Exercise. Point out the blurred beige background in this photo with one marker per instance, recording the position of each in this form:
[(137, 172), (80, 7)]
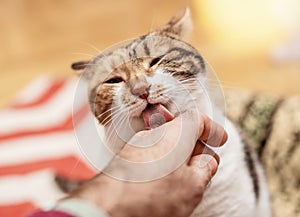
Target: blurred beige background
[(47, 36)]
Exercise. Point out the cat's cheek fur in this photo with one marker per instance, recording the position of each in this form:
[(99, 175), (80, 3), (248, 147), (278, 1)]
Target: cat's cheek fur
[(101, 101)]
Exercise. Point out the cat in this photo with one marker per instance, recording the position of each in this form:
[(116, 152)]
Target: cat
[(147, 71)]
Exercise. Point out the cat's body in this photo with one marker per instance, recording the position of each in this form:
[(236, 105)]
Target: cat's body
[(239, 187), (161, 69)]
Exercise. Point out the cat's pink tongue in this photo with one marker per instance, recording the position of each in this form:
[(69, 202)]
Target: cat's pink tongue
[(156, 115)]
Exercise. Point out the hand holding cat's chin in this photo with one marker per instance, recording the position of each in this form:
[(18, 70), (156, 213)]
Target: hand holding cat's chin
[(161, 197), (184, 131)]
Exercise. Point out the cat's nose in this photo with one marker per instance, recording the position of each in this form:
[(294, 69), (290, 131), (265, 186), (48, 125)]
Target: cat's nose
[(144, 95), (141, 90)]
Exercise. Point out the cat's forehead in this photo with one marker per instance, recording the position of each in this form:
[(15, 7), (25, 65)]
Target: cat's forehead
[(140, 49)]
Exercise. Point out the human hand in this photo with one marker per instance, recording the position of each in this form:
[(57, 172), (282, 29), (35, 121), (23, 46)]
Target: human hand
[(176, 194)]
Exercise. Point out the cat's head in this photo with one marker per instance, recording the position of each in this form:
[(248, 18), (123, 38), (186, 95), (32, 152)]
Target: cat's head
[(157, 68)]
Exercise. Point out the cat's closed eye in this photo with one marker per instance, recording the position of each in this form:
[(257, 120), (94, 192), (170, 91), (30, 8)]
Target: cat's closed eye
[(114, 80), (155, 61)]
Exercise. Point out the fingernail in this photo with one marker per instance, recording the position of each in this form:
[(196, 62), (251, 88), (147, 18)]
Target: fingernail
[(206, 159)]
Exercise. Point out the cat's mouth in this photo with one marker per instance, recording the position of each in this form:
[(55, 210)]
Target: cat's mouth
[(156, 115)]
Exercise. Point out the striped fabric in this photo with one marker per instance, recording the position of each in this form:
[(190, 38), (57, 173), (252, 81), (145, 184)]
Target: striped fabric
[(37, 142)]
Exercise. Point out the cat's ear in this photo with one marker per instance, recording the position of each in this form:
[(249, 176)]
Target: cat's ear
[(179, 25), (79, 67)]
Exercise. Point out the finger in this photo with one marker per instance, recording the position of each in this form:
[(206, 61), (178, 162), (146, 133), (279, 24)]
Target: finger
[(205, 165), (177, 137), (211, 133), (201, 148)]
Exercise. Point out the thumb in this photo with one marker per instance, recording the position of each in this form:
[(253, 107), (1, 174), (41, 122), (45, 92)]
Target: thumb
[(205, 166)]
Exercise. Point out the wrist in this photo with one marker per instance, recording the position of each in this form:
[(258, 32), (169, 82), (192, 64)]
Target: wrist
[(108, 196), (79, 208)]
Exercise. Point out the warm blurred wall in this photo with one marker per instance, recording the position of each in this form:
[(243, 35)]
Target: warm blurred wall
[(46, 36)]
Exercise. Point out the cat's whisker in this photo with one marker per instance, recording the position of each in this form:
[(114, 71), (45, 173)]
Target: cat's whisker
[(113, 110), (189, 84), (152, 23), (175, 86), (170, 91), (120, 112), (188, 80), (92, 46), (116, 117), (106, 118), (185, 88), (114, 113), (84, 54), (210, 85), (121, 120), (220, 81), (188, 88), (110, 131), (108, 110)]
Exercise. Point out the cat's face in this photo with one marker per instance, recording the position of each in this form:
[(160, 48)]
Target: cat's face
[(157, 68)]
